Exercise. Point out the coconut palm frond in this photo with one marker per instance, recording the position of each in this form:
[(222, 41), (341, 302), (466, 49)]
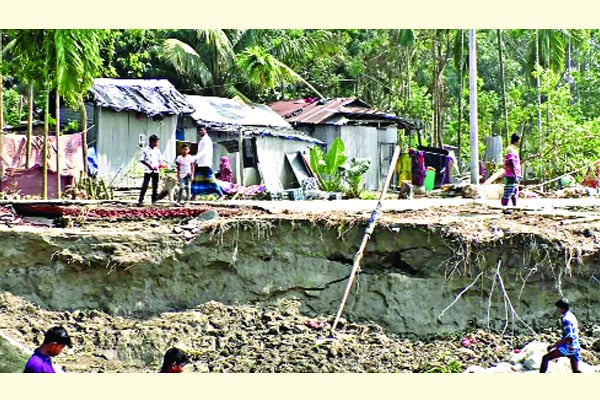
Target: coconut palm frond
[(217, 38), (294, 45), (234, 92), (186, 60), (295, 76), (259, 67)]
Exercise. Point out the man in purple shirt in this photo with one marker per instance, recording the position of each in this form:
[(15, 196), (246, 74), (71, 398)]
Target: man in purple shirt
[(55, 341)]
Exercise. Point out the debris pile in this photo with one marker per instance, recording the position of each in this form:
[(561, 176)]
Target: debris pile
[(275, 338)]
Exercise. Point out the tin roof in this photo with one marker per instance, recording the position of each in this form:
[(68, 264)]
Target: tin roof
[(220, 110), (338, 111), (152, 97), (229, 115)]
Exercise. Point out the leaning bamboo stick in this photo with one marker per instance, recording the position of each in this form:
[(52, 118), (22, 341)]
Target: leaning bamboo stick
[(368, 231)]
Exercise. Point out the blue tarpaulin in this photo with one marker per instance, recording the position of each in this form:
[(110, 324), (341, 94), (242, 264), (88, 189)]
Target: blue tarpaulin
[(153, 97)]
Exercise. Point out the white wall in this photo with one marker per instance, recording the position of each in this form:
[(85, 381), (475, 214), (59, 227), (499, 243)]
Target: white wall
[(271, 155), (362, 142), (117, 143)]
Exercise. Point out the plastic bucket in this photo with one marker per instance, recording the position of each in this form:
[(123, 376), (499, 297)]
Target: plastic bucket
[(429, 181)]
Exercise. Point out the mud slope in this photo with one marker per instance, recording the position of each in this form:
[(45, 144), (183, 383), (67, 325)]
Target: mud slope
[(416, 264)]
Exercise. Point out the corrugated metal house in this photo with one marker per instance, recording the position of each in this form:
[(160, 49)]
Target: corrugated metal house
[(122, 114), (271, 148), (366, 133)]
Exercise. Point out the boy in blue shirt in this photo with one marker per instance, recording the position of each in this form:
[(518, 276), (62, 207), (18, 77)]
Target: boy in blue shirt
[(568, 345)]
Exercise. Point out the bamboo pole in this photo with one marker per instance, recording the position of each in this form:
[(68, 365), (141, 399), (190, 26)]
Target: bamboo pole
[(240, 159), (45, 153), (1, 116), (83, 128), (29, 125), (368, 232), (58, 183)]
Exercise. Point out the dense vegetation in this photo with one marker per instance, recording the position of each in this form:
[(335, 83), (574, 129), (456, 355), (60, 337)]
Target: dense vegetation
[(539, 83)]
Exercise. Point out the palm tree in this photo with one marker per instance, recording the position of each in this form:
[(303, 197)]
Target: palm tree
[(265, 71), (210, 57), (67, 60), (547, 49), (78, 62), (501, 64), (1, 110)]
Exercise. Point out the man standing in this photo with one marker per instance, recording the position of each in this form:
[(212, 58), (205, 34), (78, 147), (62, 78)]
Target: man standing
[(512, 171), (55, 340), (151, 159), (568, 345), (204, 181)]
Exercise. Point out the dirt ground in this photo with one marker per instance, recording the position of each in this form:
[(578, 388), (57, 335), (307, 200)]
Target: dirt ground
[(277, 338)]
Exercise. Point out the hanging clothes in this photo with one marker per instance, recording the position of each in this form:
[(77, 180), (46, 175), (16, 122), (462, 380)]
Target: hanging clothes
[(417, 159)]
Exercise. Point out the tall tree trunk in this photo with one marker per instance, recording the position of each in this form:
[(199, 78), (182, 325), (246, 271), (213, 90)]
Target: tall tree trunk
[(83, 117), (504, 105), (58, 185), (29, 125), (539, 101), (460, 103), (473, 134), (45, 152), (434, 97), (1, 115)]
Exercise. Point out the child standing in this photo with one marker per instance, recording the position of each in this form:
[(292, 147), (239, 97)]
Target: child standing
[(151, 159), (185, 172)]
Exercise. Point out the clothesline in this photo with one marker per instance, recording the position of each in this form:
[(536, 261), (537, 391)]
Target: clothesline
[(557, 178)]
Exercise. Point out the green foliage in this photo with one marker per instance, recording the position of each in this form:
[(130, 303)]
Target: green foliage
[(447, 364), (329, 167), (391, 69), (569, 140), (353, 176), (14, 108), (367, 195), (335, 173), (72, 126)]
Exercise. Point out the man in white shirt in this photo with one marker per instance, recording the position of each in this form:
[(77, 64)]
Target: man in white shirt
[(205, 150), (151, 160), (204, 181)]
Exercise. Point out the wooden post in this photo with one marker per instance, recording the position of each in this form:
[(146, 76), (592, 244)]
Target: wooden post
[(29, 126), (83, 128), (368, 231), (58, 188), (240, 160)]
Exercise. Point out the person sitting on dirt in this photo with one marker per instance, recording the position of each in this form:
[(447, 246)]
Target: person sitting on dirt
[(185, 172), (151, 159), (568, 345), (512, 171), (173, 361), (55, 340)]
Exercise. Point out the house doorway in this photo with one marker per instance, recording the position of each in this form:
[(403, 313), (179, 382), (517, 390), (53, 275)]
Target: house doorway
[(386, 152)]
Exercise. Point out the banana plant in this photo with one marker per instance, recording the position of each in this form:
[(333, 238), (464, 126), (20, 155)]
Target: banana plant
[(353, 176), (329, 168)]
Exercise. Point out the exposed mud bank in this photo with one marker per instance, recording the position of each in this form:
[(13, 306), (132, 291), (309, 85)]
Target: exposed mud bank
[(415, 265)]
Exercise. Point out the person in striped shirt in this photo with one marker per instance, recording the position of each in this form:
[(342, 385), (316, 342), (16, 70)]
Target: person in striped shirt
[(568, 345)]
